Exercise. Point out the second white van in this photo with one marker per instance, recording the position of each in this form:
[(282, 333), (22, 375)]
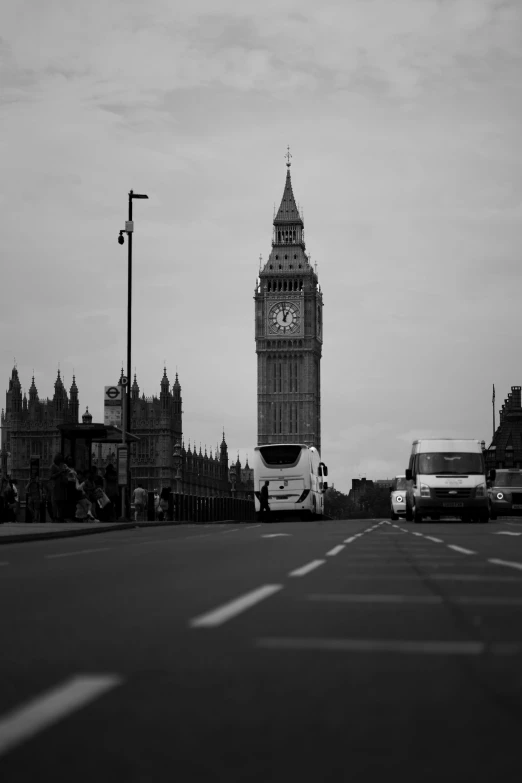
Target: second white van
[(448, 479)]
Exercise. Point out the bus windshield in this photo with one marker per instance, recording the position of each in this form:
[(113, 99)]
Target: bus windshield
[(280, 455), (454, 462)]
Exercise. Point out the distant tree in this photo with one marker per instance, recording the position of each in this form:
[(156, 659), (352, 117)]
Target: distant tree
[(373, 502)]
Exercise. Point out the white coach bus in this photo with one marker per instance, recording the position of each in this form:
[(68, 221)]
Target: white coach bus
[(296, 480)]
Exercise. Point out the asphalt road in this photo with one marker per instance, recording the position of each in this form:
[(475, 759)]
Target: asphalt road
[(336, 651)]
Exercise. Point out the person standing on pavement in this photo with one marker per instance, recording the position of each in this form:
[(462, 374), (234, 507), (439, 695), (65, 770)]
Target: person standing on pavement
[(140, 503), (263, 501)]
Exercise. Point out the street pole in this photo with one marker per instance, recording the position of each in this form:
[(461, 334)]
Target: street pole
[(129, 340), (126, 413), (124, 442)]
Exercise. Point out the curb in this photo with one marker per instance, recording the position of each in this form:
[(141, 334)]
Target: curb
[(18, 538), (42, 536)]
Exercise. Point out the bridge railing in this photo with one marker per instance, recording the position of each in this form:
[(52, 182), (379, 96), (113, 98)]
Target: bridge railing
[(193, 508)]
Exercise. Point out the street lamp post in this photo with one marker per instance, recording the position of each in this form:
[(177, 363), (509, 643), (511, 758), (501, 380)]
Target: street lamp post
[(129, 228)]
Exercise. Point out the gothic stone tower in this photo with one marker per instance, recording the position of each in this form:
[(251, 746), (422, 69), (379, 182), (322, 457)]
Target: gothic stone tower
[(288, 334)]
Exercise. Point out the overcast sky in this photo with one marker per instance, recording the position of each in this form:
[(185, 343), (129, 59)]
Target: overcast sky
[(403, 118)]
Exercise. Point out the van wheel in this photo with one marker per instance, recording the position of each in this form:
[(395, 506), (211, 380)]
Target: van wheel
[(492, 514), (417, 518), (409, 513)]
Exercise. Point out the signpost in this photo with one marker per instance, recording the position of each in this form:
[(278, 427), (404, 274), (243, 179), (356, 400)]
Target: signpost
[(112, 405)]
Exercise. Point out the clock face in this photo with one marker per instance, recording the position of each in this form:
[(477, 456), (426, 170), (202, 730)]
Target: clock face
[(284, 318)]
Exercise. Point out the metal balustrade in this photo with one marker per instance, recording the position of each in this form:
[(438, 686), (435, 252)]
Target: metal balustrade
[(193, 508)]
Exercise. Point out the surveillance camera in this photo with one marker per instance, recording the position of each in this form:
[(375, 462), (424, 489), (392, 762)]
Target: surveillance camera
[(121, 239)]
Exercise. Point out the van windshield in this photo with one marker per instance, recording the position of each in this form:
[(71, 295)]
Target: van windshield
[(508, 479), (454, 462)]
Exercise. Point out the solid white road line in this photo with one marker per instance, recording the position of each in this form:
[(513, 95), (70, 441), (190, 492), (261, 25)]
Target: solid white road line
[(506, 533), (336, 550), (354, 598), (232, 608), (461, 549), (508, 563), (437, 540), (386, 598), (377, 645), (307, 568), (26, 721), (78, 552)]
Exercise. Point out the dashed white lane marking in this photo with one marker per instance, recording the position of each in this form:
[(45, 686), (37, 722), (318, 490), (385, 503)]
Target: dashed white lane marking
[(461, 549), (232, 608), (432, 538), (307, 568), (506, 533), (232, 530), (387, 646), (26, 721), (336, 550), (414, 532), (507, 563), (78, 552)]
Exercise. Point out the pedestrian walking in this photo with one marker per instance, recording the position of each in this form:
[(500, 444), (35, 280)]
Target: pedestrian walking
[(164, 503), (112, 489), (140, 503), (58, 488), (263, 502), (33, 498)]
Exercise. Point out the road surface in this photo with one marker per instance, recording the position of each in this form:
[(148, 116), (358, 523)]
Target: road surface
[(341, 650)]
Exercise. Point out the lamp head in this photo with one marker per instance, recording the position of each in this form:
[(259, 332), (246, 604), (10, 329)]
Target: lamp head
[(120, 238)]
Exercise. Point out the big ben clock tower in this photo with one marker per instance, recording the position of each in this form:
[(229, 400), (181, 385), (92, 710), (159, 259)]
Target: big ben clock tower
[(289, 336)]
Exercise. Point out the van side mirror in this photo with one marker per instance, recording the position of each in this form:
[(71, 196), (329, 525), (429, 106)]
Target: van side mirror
[(325, 470), (408, 475), (325, 486)]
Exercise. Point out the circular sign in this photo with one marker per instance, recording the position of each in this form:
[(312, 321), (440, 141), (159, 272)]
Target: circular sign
[(124, 380), (112, 392)]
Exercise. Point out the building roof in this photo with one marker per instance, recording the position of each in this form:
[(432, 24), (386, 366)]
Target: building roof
[(288, 211)]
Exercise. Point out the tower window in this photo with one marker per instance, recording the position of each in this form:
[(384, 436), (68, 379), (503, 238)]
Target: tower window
[(291, 267), (280, 266), (277, 259), (295, 255), (286, 256), (300, 266), (271, 267)]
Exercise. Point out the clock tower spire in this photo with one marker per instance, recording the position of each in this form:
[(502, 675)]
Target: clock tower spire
[(288, 333)]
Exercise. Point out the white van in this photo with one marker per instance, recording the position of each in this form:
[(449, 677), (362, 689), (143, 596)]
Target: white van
[(448, 479)]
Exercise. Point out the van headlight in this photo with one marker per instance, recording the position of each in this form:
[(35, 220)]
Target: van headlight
[(500, 495), (480, 491), (424, 491)]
